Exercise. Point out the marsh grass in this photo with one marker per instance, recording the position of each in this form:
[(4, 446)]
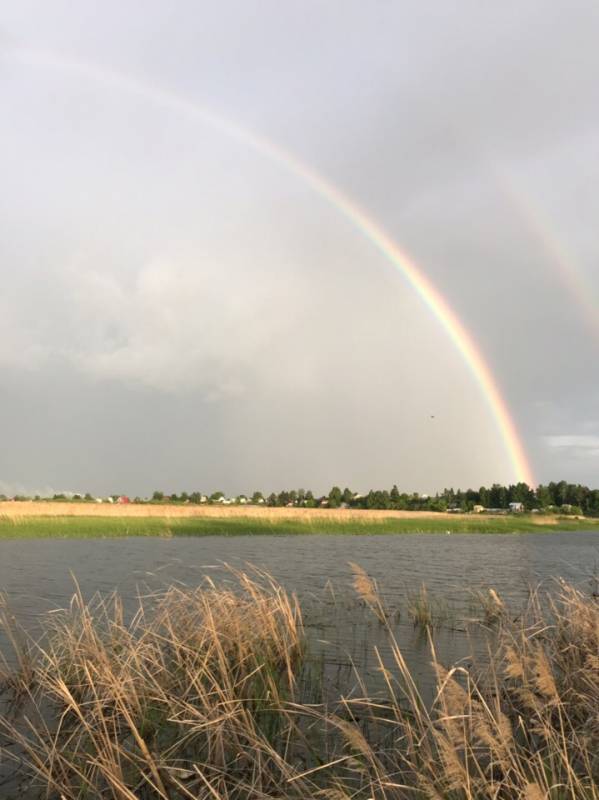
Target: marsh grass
[(426, 611), (156, 521), (491, 605), (184, 697), (200, 696), (368, 591)]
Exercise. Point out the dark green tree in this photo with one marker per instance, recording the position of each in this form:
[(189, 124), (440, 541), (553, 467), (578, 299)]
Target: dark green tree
[(335, 497)]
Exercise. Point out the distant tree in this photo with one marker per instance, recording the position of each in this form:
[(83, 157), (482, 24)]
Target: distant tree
[(521, 493), (484, 498), (347, 496), (283, 498), (472, 499), (498, 496), (371, 499), (272, 499), (195, 497), (157, 496), (335, 497), (561, 493), (257, 497), (394, 496)]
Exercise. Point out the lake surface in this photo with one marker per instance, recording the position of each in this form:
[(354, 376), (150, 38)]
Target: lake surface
[(38, 575)]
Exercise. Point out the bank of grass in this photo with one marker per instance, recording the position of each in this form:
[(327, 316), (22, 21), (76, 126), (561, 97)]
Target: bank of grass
[(82, 527), (200, 696)]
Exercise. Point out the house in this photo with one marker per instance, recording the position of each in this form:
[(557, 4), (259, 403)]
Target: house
[(516, 507), (123, 500), (478, 509)]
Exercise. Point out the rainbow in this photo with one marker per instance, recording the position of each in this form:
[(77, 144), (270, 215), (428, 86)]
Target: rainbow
[(348, 208), (539, 227)]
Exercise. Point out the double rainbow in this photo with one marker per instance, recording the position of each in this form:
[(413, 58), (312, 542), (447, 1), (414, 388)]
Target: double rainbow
[(348, 208), (544, 233)]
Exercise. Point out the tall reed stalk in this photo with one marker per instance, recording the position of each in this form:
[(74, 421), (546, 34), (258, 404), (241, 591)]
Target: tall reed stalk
[(199, 696)]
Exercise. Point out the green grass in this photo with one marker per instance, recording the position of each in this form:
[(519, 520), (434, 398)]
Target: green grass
[(107, 527)]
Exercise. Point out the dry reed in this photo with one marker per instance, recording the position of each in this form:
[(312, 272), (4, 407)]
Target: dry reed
[(199, 696), (367, 590), (14, 510)]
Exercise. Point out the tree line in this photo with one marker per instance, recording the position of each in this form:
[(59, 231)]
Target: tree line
[(560, 496), (568, 498)]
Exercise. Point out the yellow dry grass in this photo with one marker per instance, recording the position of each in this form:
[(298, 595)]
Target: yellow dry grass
[(200, 697), (17, 509)]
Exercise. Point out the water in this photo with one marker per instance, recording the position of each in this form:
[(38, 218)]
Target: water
[(39, 575)]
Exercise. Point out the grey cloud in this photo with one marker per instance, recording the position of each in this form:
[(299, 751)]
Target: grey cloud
[(148, 262), (11, 489), (585, 445)]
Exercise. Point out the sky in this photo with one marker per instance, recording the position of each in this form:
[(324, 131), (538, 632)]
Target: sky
[(181, 310)]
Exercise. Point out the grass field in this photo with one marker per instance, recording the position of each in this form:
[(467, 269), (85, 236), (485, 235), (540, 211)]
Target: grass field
[(57, 520), (57, 509)]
